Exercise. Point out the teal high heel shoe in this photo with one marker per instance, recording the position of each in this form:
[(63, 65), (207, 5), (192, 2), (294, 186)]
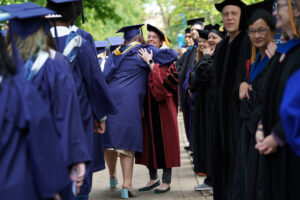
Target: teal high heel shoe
[(113, 183), (126, 193)]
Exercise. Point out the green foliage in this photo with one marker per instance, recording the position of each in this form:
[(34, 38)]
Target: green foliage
[(128, 12), (173, 9), (104, 17)]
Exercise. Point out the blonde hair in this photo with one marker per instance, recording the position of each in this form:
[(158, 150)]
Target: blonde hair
[(31, 45)]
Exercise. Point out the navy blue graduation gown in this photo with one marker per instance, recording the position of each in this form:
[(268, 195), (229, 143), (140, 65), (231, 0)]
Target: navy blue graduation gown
[(127, 77), (94, 98), (290, 112), (98, 152), (30, 162), (57, 89)]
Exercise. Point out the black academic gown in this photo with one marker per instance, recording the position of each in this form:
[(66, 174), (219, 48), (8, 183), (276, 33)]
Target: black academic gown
[(201, 86), (184, 64), (280, 170), (230, 66), (249, 158)]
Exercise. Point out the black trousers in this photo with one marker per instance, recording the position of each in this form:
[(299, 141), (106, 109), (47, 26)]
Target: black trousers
[(167, 175)]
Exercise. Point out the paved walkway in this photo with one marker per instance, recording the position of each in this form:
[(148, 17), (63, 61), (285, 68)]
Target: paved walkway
[(183, 179)]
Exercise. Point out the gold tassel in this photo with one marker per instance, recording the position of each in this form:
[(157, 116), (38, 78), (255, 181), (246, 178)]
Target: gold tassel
[(292, 18), (253, 54), (167, 41), (117, 52), (221, 29)]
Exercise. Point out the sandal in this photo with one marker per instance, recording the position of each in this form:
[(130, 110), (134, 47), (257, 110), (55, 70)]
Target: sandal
[(126, 193)]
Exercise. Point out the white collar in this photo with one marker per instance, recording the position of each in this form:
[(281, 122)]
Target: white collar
[(52, 54), (73, 28), (61, 31)]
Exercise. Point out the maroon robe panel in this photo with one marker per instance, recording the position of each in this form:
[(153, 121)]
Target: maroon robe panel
[(163, 86)]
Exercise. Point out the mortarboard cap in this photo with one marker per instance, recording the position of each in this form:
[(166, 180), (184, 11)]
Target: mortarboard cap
[(115, 41), (162, 36), (196, 21), (101, 46), (204, 33), (220, 6), (217, 30), (259, 10), (131, 31), (26, 18)]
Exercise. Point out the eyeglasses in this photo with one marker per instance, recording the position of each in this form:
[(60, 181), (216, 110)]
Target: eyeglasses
[(277, 6), (260, 31)]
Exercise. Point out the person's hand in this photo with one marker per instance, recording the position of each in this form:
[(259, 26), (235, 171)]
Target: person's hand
[(99, 127), (271, 49), (259, 135), (267, 146), (145, 55), (208, 51), (243, 91), (80, 169), (56, 197), (183, 50)]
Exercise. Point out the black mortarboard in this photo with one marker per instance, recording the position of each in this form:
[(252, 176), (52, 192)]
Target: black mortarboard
[(216, 29), (187, 30), (259, 10), (196, 21), (101, 46), (220, 6), (131, 31), (204, 33), (162, 36)]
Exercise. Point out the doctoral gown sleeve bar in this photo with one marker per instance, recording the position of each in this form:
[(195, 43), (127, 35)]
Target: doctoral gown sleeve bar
[(163, 82)]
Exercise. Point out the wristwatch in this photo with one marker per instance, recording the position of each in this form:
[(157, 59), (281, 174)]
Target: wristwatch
[(150, 62)]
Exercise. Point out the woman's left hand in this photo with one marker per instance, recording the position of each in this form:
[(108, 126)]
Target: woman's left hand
[(267, 146), (145, 55)]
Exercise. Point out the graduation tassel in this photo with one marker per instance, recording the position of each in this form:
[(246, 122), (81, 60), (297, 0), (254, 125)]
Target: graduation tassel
[(82, 14), (253, 54), (292, 18), (167, 41)]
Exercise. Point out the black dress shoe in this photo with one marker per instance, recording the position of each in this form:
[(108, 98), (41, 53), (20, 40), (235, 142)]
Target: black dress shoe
[(147, 188), (157, 191)]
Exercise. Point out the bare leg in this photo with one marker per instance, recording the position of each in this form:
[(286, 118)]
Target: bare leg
[(111, 161), (127, 170)]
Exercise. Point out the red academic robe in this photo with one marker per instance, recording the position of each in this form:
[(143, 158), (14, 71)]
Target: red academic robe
[(163, 85)]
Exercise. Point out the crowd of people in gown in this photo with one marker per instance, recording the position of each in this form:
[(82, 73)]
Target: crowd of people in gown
[(239, 98), (70, 105)]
